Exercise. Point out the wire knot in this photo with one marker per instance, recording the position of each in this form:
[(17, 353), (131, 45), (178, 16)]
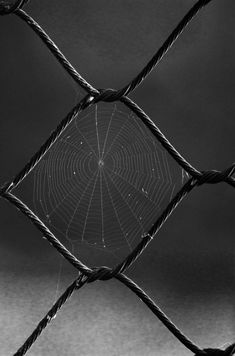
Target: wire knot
[(229, 351), (213, 176), (6, 9), (100, 273), (108, 95)]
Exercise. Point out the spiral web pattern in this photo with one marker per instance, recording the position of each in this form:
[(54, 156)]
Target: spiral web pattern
[(104, 180), (80, 168)]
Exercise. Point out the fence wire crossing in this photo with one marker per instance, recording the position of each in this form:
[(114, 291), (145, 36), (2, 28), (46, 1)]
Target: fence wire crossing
[(197, 178)]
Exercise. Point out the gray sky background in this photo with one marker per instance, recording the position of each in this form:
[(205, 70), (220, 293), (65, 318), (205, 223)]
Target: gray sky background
[(189, 267)]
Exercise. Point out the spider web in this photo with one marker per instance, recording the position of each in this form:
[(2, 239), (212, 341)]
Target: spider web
[(105, 180)]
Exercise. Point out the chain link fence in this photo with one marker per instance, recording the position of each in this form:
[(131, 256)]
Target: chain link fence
[(197, 178)]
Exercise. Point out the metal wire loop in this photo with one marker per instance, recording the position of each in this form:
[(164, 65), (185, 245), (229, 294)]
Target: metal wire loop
[(108, 95), (87, 274), (214, 176), (100, 273)]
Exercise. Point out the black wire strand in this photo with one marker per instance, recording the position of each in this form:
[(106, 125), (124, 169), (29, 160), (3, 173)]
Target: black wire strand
[(197, 178)]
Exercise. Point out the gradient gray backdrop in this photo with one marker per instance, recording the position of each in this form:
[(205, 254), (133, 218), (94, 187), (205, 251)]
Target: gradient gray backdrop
[(189, 268)]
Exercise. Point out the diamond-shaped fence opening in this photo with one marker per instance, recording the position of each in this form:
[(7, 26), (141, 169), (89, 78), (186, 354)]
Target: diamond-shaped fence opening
[(106, 177), (103, 183)]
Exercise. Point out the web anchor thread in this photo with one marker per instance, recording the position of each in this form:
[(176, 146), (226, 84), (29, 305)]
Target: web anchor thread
[(86, 274)]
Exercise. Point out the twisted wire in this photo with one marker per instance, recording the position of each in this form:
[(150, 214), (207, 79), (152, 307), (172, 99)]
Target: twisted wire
[(77, 284), (214, 177), (84, 103), (160, 52), (56, 52), (159, 314), (165, 47), (198, 178), (105, 273), (161, 138), (131, 258), (98, 274), (144, 72), (138, 250), (94, 276), (46, 232)]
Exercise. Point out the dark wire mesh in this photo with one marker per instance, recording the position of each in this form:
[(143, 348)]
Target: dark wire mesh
[(197, 178)]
